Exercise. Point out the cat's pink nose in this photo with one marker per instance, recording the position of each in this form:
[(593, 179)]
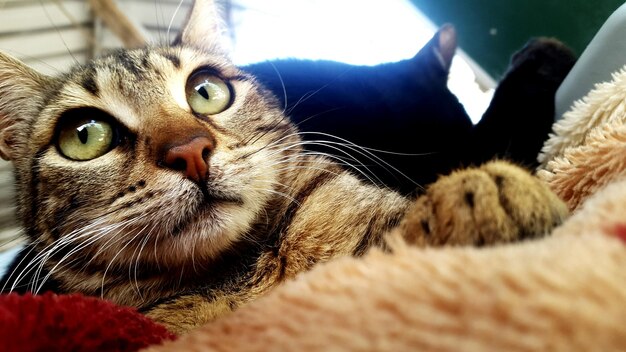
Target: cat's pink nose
[(192, 158)]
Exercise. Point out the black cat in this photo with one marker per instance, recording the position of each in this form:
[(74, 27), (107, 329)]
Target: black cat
[(406, 108), (403, 107)]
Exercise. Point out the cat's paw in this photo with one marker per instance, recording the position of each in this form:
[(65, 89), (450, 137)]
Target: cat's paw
[(495, 203)]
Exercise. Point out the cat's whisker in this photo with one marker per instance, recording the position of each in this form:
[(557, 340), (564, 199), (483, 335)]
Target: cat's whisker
[(155, 252), (142, 245), (269, 145), (362, 147), (120, 251), (315, 116), (44, 255), (114, 235), (363, 151), (102, 232), (302, 158), (58, 30), (284, 195), (256, 137), (335, 157), (366, 173), (92, 232), (8, 279)]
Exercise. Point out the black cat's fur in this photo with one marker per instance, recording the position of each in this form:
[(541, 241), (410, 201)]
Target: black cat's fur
[(407, 108), (404, 107)]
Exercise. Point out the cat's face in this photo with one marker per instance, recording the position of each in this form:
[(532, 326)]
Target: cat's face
[(162, 154)]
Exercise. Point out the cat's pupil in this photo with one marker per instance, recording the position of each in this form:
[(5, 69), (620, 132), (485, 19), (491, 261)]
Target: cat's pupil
[(202, 91), (83, 134)]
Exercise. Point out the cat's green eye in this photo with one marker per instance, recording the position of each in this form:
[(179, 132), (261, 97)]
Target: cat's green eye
[(85, 139), (207, 94)]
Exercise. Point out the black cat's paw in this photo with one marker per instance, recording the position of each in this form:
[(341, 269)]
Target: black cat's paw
[(547, 58), (521, 113)]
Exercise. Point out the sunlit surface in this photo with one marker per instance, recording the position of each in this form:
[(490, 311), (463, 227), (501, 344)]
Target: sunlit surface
[(364, 32)]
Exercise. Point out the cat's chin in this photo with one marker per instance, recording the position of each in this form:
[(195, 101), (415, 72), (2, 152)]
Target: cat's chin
[(213, 226), (208, 212)]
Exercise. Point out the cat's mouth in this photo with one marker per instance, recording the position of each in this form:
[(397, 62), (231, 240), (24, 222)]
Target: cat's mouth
[(206, 209), (212, 196)]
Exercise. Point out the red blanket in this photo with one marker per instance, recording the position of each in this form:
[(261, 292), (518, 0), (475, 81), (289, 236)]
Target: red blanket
[(52, 322)]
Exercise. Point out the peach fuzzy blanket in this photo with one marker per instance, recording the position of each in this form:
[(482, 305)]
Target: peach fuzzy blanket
[(566, 292)]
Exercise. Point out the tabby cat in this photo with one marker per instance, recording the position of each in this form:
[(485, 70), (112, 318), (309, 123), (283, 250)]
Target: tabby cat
[(167, 179)]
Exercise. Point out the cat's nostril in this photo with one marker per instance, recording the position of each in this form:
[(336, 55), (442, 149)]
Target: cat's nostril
[(205, 153), (179, 165), (191, 158)]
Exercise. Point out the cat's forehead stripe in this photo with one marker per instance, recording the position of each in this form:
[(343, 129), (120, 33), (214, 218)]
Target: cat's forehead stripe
[(172, 58), (129, 63), (88, 81)]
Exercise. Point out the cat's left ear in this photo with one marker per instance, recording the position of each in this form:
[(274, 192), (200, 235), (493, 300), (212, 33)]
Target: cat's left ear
[(446, 40), (439, 51), (22, 94), (205, 28), (435, 58)]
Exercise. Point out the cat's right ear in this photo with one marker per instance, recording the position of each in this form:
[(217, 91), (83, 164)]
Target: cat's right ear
[(22, 94), (205, 28)]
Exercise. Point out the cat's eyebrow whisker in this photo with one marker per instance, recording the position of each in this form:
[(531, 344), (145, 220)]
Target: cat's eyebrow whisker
[(169, 26), (282, 83), (309, 95), (58, 30), (160, 20)]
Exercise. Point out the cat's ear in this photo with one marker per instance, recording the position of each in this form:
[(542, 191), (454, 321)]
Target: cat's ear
[(204, 28), (446, 43), (438, 53), (22, 94)]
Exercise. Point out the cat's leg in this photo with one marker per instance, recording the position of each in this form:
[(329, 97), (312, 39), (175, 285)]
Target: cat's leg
[(495, 203), (183, 313), (521, 113)]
